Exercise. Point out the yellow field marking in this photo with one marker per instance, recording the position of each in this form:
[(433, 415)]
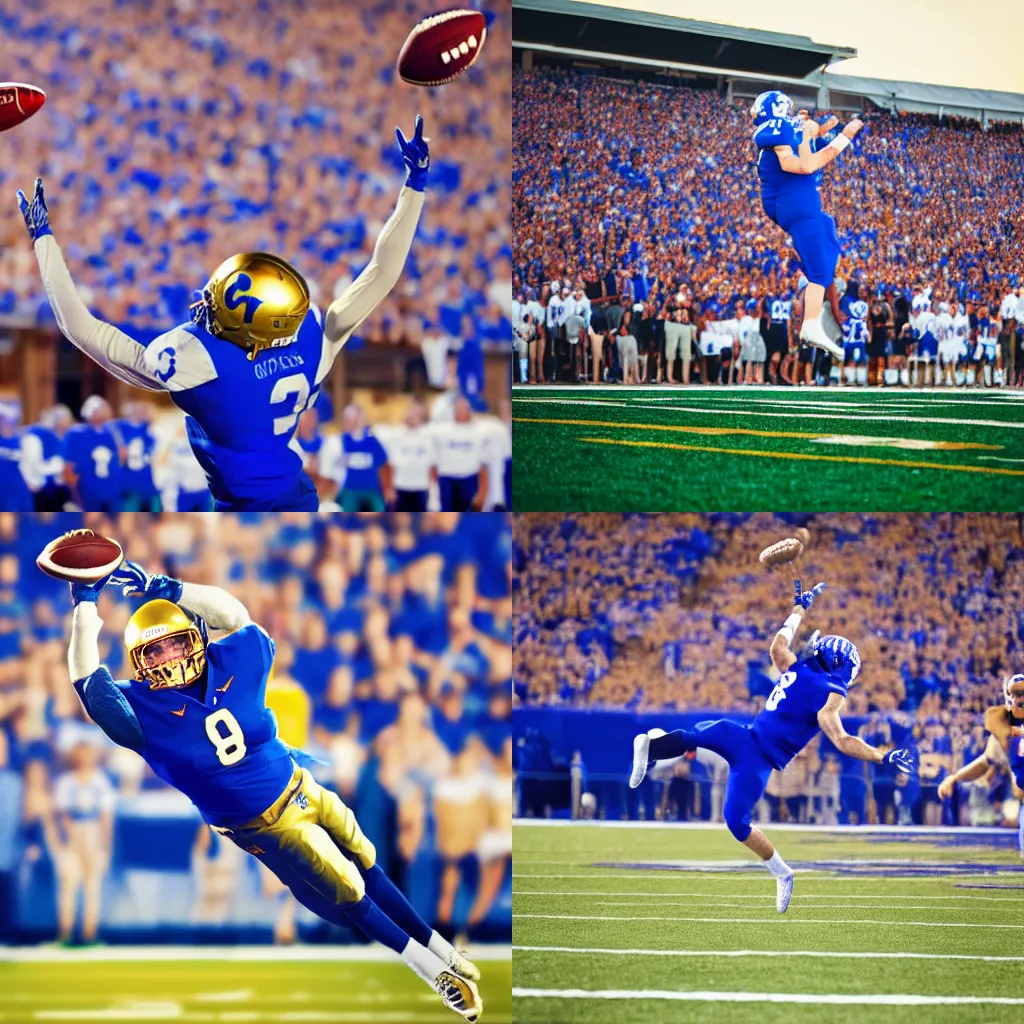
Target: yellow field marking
[(799, 435), (798, 455)]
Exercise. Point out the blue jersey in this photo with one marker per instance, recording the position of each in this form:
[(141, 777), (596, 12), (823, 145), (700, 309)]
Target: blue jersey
[(1015, 752), (242, 414), (216, 741), (790, 716), (52, 449), (781, 131), (93, 454), (138, 442), (855, 332), (16, 495), (363, 457)]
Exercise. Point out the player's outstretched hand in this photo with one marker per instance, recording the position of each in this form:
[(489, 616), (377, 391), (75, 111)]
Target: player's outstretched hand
[(902, 760), (134, 581), (37, 217), (853, 127), (806, 599), (416, 154), (946, 787), (88, 591)]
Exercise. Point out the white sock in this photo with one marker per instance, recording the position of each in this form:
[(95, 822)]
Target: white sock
[(423, 961), (440, 946), (777, 866)]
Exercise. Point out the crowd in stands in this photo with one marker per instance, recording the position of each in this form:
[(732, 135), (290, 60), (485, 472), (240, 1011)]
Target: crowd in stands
[(627, 227), (442, 456), (179, 132), (673, 613), (392, 667)]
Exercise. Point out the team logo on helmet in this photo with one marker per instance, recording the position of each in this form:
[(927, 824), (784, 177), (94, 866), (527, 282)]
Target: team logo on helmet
[(771, 104), (838, 656)]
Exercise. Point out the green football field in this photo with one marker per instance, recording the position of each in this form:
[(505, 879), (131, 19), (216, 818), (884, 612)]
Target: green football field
[(611, 448), (153, 984), (665, 924)]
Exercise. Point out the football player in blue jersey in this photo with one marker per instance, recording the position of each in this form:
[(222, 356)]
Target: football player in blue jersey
[(809, 696), (787, 167), (196, 712), (135, 435), (255, 354), (1005, 746), (855, 345), (92, 459)]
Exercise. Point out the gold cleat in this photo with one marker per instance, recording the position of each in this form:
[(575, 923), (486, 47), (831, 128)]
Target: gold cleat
[(459, 994), (462, 965)]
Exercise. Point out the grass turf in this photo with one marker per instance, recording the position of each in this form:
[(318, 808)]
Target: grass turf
[(220, 990), (704, 449), (561, 899)]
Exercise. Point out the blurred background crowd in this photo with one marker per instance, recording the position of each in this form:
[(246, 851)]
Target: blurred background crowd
[(644, 216), (646, 620), (177, 133), (393, 668)]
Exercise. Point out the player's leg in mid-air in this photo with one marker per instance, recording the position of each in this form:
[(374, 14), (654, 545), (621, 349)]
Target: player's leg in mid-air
[(749, 770), (310, 839)]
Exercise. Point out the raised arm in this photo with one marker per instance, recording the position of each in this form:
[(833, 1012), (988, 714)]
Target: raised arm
[(806, 161), (390, 252), (781, 653), (118, 354), (992, 755), (217, 607)]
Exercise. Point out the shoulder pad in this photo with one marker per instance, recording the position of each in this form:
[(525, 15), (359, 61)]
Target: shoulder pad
[(180, 360), (997, 723)]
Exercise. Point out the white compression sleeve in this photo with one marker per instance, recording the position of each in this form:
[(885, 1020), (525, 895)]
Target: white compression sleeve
[(216, 606), (84, 650), (381, 275), (790, 626), (119, 355)]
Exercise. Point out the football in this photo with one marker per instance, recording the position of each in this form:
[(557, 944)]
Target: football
[(780, 552), (80, 556), (441, 47), (18, 102)]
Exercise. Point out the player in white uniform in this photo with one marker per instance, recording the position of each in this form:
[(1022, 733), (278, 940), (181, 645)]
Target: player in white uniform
[(986, 351), (962, 335), (922, 323), (949, 346), (752, 346), (411, 455)]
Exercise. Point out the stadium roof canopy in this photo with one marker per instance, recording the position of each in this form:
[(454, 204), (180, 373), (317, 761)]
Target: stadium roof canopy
[(593, 30)]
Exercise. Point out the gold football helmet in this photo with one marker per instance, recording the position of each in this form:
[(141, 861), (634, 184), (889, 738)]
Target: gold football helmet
[(165, 647), (255, 300)]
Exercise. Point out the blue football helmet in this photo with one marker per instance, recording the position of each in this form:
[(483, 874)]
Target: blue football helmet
[(1012, 686), (838, 657), (771, 104), (751, 305)]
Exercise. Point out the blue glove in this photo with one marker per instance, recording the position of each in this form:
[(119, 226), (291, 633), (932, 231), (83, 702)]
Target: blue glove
[(416, 155), (805, 600), (87, 591), (902, 760), (134, 581), (37, 218)]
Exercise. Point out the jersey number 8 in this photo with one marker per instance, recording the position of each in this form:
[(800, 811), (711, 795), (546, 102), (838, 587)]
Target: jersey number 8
[(779, 693), (230, 747)]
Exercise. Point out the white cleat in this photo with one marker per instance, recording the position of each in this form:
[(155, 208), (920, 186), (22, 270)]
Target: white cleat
[(462, 965), (459, 994), (814, 334), (641, 744), (783, 892)]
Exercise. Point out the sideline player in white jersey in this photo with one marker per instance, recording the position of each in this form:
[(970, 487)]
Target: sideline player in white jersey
[(922, 323), (962, 334), (461, 460), (412, 457), (986, 351), (949, 346), (752, 345)]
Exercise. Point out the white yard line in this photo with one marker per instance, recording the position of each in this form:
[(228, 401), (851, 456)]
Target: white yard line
[(789, 921), (789, 415), (712, 826), (765, 896), (768, 953), (763, 997)]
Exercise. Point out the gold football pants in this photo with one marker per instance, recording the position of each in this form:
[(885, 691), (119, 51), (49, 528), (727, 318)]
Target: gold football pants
[(311, 840)]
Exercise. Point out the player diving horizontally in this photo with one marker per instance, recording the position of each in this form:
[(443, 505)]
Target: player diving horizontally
[(810, 694), (255, 354), (196, 712), (787, 166), (1005, 725)]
